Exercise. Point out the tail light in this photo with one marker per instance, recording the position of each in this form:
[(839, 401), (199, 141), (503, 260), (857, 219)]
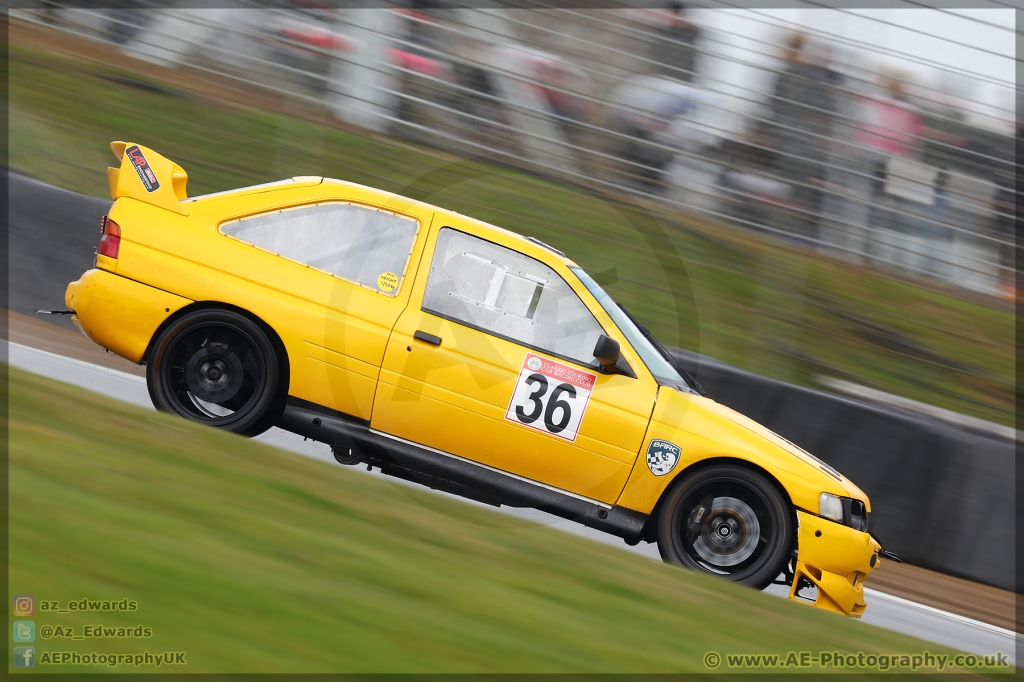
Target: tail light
[(110, 238)]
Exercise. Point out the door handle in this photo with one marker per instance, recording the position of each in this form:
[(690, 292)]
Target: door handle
[(429, 338)]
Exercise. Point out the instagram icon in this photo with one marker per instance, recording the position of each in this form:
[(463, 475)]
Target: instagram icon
[(24, 605)]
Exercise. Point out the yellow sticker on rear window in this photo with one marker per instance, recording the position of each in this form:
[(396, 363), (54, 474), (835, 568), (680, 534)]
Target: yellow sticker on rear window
[(387, 281)]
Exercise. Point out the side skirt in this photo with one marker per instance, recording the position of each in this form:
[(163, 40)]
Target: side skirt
[(453, 474)]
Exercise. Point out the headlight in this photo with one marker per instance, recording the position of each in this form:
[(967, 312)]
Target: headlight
[(830, 507)]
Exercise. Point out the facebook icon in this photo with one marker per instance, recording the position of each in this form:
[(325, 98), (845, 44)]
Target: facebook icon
[(24, 656)]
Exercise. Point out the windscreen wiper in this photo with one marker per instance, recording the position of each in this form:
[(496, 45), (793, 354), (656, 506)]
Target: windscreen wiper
[(669, 358)]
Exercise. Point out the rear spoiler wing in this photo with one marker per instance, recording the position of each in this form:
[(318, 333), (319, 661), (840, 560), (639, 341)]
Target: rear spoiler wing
[(146, 176)]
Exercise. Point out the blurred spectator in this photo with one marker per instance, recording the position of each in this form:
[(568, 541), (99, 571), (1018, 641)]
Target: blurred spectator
[(560, 83), (938, 237), (49, 12), (126, 19), (305, 42), (889, 130), (675, 45), (419, 64), (801, 114), (557, 84), (481, 100), (888, 123), (478, 95), (647, 110), (888, 186), (884, 126), (663, 113)]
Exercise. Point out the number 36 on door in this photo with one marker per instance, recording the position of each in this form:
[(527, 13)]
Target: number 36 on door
[(550, 396)]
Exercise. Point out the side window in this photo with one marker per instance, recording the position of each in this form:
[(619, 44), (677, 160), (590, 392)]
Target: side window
[(364, 245), (508, 294)]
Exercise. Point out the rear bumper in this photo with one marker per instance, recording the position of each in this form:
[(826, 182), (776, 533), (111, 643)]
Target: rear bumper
[(119, 314), (836, 559)]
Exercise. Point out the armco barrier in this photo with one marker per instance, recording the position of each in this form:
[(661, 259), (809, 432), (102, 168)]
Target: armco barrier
[(53, 236), (942, 496)]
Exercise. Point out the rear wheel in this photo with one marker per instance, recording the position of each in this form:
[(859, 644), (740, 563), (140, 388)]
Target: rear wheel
[(728, 521), (216, 367)]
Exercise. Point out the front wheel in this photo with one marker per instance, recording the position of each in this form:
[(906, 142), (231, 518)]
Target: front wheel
[(216, 367), (728, 521)]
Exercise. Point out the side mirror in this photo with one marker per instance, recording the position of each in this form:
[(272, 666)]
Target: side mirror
[(606, 352)]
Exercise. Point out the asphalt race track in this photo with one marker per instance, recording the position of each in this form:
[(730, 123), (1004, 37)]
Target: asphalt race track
[(884, 610)]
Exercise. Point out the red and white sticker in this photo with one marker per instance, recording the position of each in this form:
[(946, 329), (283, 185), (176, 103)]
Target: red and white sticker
[(550, 397)]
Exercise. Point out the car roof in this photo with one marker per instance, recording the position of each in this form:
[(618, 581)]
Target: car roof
[(528, 245), (287, 183)]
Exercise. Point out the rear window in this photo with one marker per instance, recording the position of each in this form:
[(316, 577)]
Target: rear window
[(361, 244)]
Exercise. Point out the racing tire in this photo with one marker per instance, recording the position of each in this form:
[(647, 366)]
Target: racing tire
[(728, 521), (219, 368)]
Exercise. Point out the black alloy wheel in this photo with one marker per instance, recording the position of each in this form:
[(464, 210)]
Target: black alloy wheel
[(728, 521), (217, 367)]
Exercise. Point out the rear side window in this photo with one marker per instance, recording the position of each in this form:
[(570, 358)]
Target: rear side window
[(508, 294), (360, 244)]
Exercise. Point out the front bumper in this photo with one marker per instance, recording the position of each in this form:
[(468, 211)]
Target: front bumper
[(836, 559)]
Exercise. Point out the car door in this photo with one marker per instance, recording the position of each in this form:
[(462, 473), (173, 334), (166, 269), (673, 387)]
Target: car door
[(493, 361), (339, 268)]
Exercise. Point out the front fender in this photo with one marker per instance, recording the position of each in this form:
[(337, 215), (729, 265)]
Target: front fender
[(704, 430)]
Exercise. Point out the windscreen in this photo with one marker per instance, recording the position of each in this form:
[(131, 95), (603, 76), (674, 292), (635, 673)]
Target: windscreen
[(655, 362)]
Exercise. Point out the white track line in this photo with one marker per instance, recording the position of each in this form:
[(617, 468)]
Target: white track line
[(946, 614), (78, 363)]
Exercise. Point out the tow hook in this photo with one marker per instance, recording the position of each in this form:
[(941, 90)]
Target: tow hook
[(891, 556), (54, 312)]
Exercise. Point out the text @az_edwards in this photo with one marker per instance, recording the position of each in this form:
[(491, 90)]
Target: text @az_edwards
[(97, 631), (858, 660)]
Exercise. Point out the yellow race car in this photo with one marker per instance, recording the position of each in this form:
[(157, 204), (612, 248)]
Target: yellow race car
[(459, 355)]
